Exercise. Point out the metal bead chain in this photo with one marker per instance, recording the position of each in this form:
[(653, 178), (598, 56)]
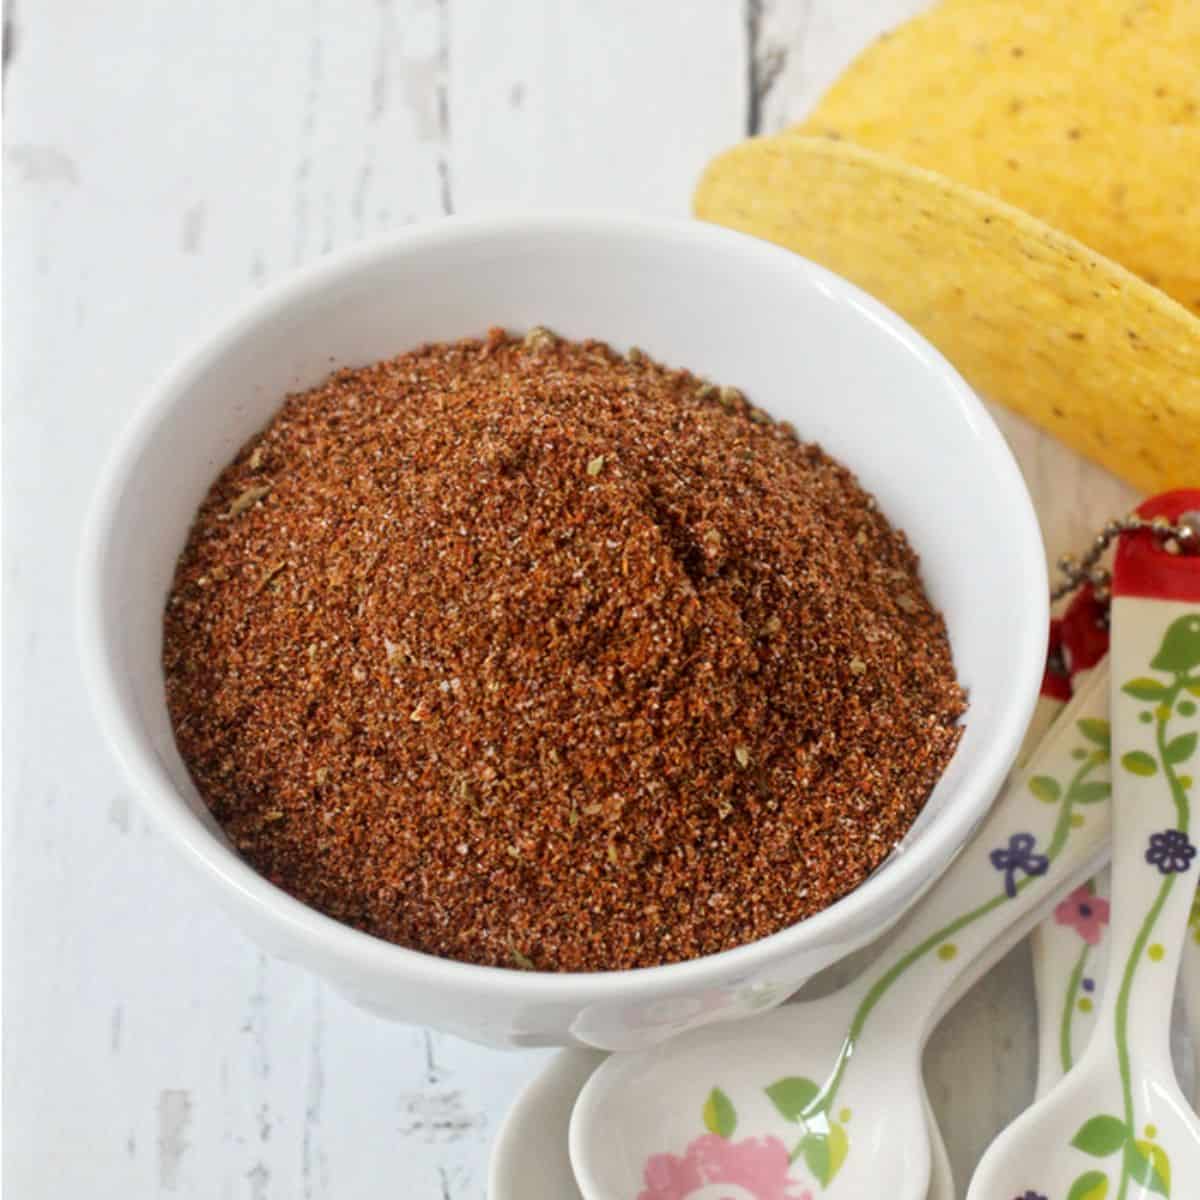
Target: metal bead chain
[(1182, 537)]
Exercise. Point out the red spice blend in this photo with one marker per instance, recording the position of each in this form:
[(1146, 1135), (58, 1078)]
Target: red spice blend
[(524, 653)]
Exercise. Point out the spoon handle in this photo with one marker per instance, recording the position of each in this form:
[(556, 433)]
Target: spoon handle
[(1070, 959), (1189, 972), (1155, 686), (1070, 948), (1049, 829)]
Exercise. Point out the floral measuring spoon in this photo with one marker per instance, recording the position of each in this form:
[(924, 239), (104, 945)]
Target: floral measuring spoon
[(1070, 948), (1117, 1126), (1078, 642), (1068, 975), (830, 1090), (941, 1174)]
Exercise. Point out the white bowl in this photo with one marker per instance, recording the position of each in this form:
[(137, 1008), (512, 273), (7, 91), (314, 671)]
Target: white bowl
[(803, 343)]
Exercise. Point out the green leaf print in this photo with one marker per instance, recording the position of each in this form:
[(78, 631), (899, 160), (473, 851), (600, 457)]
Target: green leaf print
[(719, 1114), (839, 1147), (1180, 749), (1092, 1185), (1145, 689), (1101, 1136), (1138, 762), (1096, 730), (1045, 788), (817, 1157), (1090, 793), (1148, 1165), (792, 1095)]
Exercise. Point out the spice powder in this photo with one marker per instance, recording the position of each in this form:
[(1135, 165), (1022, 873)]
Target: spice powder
[(524, 653)]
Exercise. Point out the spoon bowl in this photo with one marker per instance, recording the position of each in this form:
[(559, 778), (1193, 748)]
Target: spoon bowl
[(1073, 1144), (735, 1072)]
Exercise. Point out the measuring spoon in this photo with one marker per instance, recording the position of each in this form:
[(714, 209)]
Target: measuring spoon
[(1074, 649)]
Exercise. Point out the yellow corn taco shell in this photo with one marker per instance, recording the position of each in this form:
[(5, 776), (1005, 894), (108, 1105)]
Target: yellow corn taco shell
[(1085, 113), (1030, 316)]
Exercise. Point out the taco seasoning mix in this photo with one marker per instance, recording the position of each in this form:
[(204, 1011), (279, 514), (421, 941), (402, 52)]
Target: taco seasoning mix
[(525, 653)]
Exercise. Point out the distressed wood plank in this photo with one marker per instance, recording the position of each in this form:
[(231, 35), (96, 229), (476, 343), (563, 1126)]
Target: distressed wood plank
[(615, 105), (161, 162)]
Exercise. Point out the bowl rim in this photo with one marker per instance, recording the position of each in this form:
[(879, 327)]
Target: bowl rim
[(906, 873)]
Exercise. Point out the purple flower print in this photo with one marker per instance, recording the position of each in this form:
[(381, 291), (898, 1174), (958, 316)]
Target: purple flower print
[(1170, 851), (1018, 856)]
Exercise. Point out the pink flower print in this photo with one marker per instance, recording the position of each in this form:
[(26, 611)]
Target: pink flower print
[(1084, 912), (756, 1167)]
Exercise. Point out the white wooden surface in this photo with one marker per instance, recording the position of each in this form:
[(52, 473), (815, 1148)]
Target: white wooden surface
[(162, 160)]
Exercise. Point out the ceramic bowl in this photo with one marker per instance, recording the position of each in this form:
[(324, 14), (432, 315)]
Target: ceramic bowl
[(803, 343)]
